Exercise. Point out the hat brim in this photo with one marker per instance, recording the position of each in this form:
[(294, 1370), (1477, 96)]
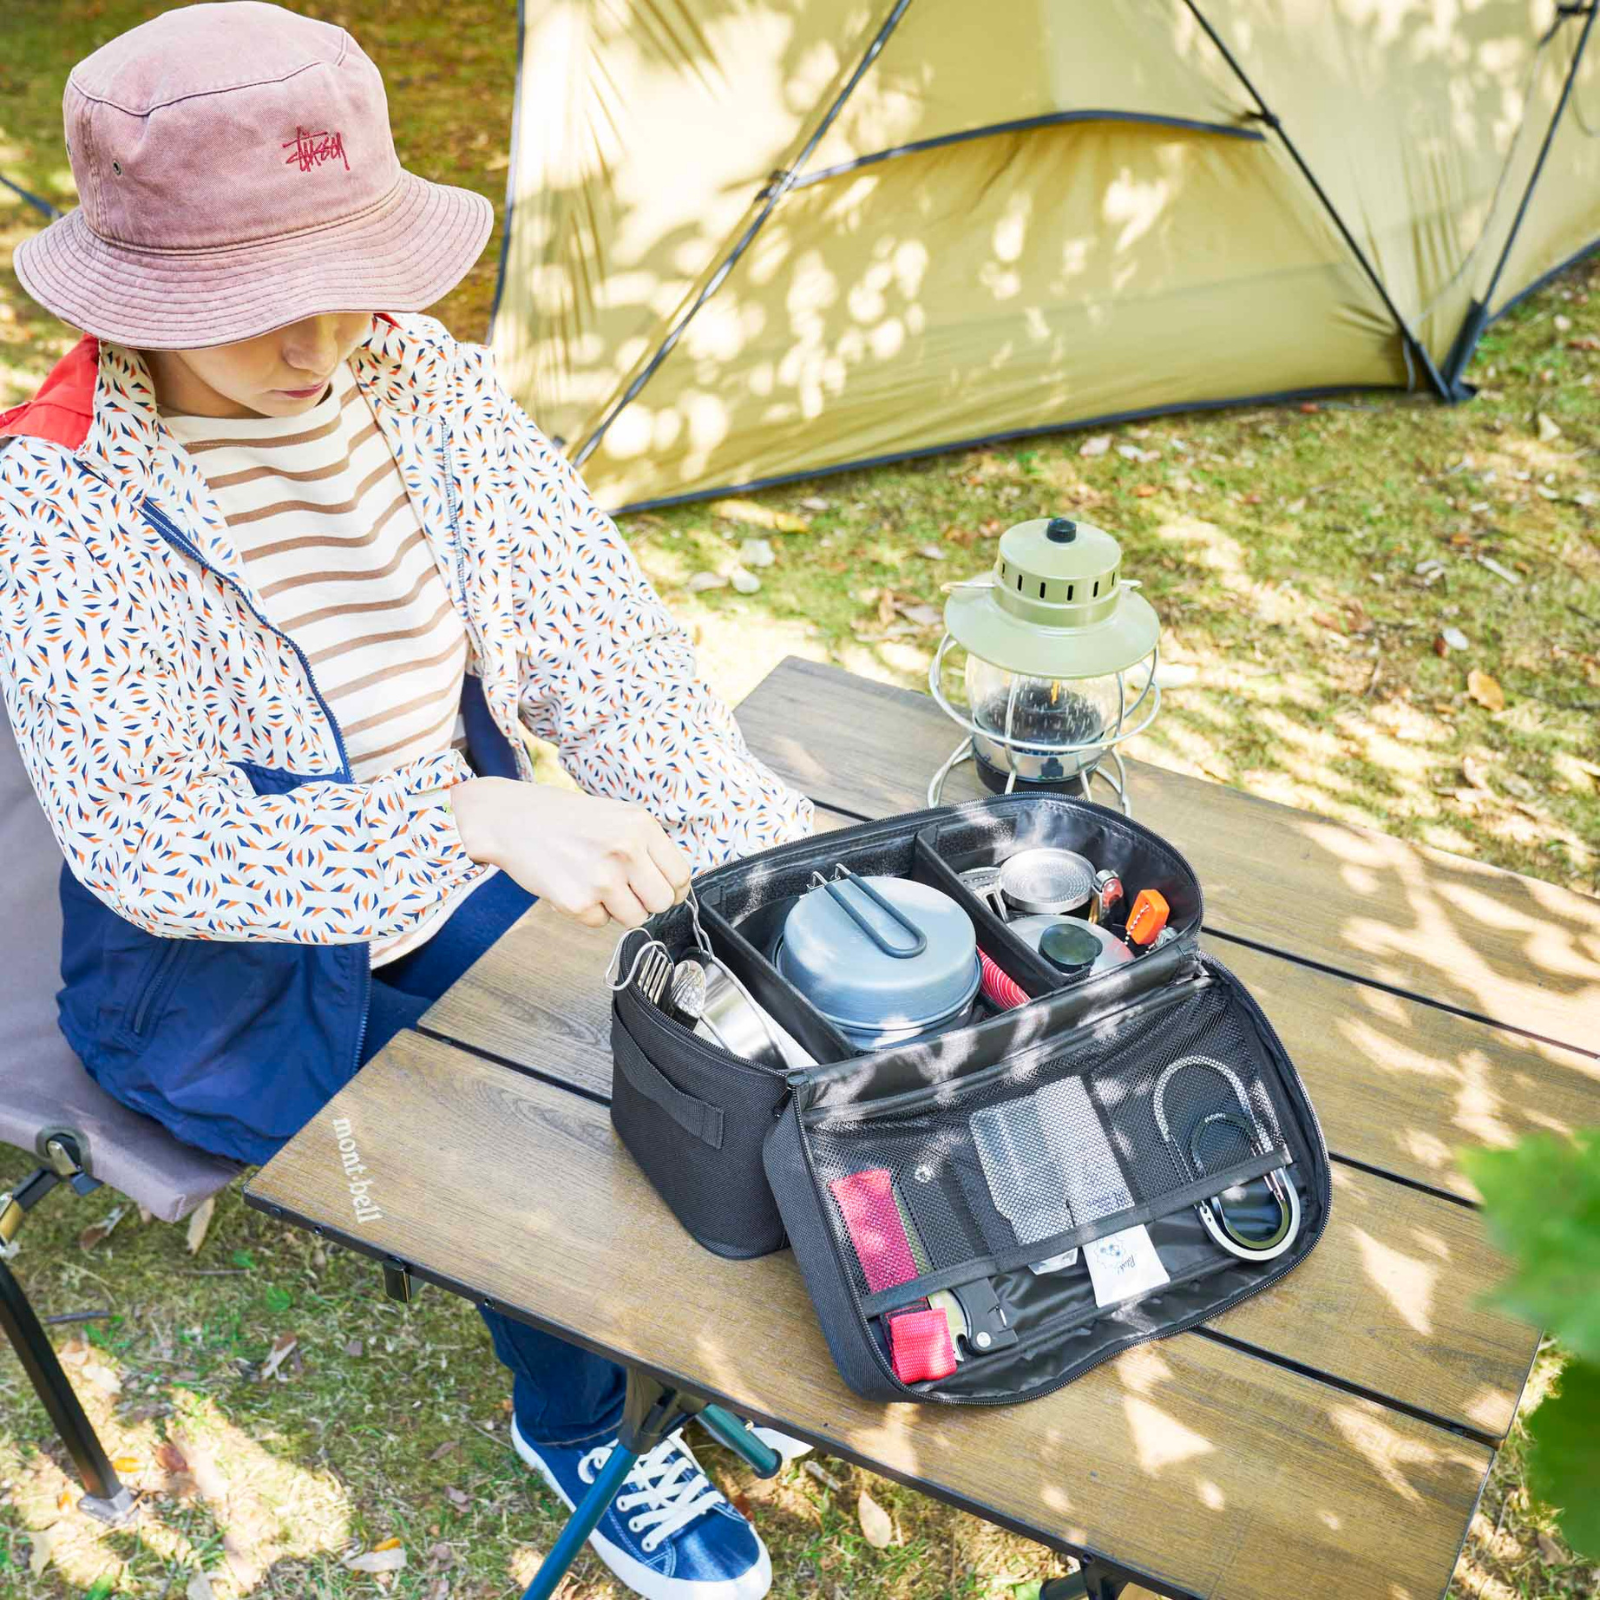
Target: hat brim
[(402, 254)]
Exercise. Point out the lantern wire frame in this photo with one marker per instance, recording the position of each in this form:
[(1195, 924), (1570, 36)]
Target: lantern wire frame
[(1118, 783)]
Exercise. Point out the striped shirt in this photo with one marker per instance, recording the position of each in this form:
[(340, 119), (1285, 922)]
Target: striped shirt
[(331, 543)]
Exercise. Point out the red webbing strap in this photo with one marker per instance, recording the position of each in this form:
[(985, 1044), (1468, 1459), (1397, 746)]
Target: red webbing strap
[(920, 1345), (872, 1219), (919, 1340)]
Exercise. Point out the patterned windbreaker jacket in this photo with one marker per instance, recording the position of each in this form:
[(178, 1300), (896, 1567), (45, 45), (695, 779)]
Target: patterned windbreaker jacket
[(225, 872)]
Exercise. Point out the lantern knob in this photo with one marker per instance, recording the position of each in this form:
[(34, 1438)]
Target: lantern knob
[(1061, 530)]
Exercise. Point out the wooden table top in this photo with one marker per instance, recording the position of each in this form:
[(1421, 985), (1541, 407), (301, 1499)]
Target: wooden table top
[(1330, 1435)]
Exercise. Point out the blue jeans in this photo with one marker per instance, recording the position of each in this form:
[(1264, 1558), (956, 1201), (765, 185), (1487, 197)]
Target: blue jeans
[(562, 1395)]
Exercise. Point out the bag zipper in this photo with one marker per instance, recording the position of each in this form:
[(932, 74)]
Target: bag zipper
[(1282, 1266), (1175, 993), (169, 531)]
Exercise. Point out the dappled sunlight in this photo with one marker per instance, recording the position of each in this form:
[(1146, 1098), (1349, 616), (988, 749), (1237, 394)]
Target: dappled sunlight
[(1385, 1449), (1406, 1282), (1159, 1440), (214, 1495)]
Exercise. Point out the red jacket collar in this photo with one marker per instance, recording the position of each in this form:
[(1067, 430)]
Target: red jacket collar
[(64, 406)]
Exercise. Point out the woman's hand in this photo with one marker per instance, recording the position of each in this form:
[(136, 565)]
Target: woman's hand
[(591, 858)]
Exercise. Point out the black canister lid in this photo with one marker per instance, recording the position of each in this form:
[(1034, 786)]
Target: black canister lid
[(1069, 947)]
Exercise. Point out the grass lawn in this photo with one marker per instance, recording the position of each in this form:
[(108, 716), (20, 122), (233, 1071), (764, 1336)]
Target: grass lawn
[(1344, 587)]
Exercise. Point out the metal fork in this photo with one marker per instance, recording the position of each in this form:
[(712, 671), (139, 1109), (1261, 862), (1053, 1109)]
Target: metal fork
[(655, 968)]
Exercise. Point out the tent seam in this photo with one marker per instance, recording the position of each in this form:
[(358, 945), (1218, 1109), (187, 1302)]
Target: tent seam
[(1050, 119), (1411, 342), (777, 186)]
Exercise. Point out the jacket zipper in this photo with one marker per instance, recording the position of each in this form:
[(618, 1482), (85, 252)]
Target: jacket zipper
[(169, 531), (1282, 1266)]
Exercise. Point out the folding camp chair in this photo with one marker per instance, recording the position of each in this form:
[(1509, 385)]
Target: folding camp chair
[(50, 1107)]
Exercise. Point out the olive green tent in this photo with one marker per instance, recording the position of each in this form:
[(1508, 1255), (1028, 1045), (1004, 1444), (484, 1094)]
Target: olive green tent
[(756, 239)]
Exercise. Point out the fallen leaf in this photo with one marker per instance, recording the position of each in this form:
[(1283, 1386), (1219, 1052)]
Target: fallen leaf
[(43, 1539), (1097, 446), (440, 1590), (1453, 638), (1562, 324), (388, 1557), (1499, 571), (886, 608), (444, 1450), (101, 1376), (170, 1458), (702, 581), (1549, 432), (1253, 498), (924, 616), (744, 581), (199, 1588), (1310, 407), (1472, 771), (1486, 690), (127, 1464), (96, 1231), (355, 1349), (1584, 341), (387, 1544), (281, 1346), (1550, 1550), (1323, 620), (457, 1498), (823, 1476), (757, 553), (1143, 491), (75, 1351), (876, 1528), (756, 516), (931, 552), (815, 502), (441, 1557), (741, 1503), (199, 1222)]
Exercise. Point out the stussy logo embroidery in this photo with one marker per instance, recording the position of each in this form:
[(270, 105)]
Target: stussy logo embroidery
[(308, 150)]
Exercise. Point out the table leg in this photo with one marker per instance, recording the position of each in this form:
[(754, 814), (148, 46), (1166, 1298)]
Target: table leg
[(1099, 1580), (651, 1411)]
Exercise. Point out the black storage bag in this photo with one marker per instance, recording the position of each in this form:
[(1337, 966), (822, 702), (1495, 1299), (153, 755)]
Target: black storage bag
[(699, 1120)]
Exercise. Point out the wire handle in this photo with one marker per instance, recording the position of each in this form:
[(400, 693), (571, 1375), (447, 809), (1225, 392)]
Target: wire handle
[(842, 872)]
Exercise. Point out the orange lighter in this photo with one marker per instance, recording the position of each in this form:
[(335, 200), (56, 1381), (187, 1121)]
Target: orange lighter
[(1148, 917)]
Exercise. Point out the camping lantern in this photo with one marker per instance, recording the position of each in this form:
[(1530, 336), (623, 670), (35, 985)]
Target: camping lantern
[(1061, 655)]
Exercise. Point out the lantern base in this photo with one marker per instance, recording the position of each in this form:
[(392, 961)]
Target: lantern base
[(999, 781)]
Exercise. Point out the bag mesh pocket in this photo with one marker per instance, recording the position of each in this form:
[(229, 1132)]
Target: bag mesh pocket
[(1111, 1123)]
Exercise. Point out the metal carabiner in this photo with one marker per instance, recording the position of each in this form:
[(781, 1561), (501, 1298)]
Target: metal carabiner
[(1213, 1215)]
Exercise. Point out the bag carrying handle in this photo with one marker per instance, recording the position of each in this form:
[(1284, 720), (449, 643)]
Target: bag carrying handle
[(698, 1118)]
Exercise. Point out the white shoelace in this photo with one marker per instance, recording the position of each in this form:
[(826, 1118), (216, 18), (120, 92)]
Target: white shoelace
[(667, 1483)]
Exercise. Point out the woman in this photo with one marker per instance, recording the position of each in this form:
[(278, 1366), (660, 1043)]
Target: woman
[(283, 580)]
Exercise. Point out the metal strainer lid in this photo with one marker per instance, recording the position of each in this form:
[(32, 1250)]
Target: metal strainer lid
[(1047, 879)]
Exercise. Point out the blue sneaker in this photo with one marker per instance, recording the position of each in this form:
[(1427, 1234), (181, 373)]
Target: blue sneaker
[(670, 1534)]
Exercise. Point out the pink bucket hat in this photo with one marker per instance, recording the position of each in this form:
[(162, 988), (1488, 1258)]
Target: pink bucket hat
[(235, 173)]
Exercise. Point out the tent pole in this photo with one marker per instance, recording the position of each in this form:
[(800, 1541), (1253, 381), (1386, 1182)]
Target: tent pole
[(777, 187), (1478, 314), (1412, 343), (511, 177)]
